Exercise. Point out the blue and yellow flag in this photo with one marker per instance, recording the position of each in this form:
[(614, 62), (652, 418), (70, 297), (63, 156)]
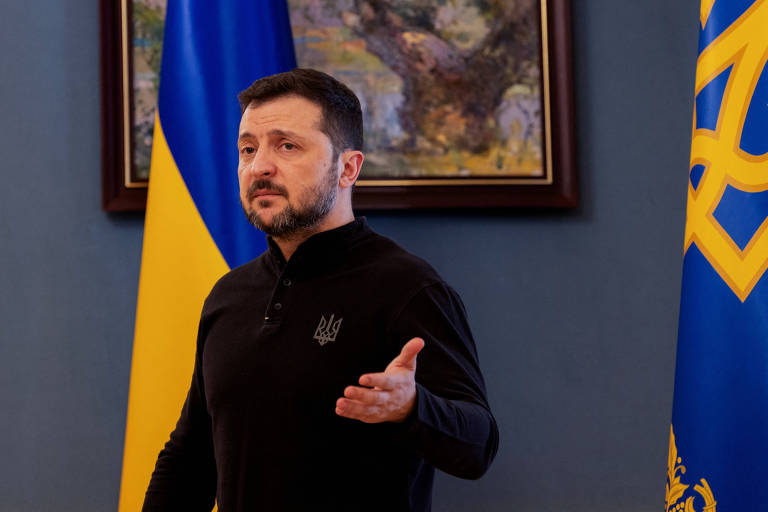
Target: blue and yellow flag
[(718, 449), (195, 229)]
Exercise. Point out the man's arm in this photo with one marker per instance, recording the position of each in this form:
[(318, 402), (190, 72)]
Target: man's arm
[(184, 478), (441, 401)]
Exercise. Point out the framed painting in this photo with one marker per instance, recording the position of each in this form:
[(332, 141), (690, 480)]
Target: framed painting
[(466, 103), (131, 33)]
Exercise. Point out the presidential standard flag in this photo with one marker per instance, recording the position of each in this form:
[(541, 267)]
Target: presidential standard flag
[(195, 229), (718, 449)]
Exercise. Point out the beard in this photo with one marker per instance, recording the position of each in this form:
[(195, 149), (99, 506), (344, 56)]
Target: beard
[(292, 220)]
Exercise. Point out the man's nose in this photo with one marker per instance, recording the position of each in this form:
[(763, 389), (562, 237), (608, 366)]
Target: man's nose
[(262, 164)]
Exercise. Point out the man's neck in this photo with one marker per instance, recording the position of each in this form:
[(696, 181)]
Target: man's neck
[(288, 244)]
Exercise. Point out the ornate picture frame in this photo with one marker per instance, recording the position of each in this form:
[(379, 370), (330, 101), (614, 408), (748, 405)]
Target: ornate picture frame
[(547, 181)]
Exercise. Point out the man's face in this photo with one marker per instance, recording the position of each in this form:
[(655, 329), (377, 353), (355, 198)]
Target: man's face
[(287, 171)]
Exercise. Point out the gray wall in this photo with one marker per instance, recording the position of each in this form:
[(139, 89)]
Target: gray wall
[(575, 313)]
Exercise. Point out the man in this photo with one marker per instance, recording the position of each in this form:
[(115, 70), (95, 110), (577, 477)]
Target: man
[(306, 392)]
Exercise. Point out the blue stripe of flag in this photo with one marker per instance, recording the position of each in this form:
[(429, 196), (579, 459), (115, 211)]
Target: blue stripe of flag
[(211, 52)]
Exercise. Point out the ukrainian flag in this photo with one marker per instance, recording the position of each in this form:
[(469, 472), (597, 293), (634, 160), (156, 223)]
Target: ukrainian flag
[(718, 450), (195, 229)]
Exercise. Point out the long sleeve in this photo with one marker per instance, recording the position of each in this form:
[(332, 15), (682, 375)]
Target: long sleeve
[(451, 427), (184, 478)]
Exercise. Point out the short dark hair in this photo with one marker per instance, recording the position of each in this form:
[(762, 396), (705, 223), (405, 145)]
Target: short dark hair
[(342, 116)]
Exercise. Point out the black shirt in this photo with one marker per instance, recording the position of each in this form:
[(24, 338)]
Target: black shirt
[(277, 344)]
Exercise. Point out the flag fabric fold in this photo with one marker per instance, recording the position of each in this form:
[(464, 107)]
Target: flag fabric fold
[(718, 448), (195, 230)]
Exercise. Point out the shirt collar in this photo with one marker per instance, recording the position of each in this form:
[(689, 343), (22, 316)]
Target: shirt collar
[(321, 248)]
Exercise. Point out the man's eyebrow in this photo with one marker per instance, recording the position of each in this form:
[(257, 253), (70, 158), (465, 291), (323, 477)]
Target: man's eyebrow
[(276, 132), (285, 133)]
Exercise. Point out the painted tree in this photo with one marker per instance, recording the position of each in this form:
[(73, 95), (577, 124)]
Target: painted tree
[(452, 82)]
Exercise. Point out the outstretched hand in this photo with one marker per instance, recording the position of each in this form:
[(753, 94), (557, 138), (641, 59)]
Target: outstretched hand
[(386, 396)]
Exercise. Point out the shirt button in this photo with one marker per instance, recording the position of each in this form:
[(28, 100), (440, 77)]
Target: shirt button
[(278, 306), (287, 282)]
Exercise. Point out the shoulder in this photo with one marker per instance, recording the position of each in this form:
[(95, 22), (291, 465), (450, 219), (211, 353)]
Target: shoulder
[(389, 261), (414, 281), (395, 276)]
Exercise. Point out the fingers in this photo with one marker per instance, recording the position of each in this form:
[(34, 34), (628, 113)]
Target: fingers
[(380, 380), (366, 396), (359, 411), (374, 406), (407, 356)]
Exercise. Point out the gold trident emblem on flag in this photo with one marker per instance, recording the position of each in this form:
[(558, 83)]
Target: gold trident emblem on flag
[(723, 169)]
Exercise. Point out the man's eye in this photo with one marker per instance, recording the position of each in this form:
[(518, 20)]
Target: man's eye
[(289, 146), (247, 150)]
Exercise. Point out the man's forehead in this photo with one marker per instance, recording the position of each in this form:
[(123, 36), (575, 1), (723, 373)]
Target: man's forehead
[(291, 110)]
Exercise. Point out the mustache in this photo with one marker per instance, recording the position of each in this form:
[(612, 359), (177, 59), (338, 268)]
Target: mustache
[(265, 185)]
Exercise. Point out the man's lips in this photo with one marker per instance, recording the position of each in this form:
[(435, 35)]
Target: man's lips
[(265, 194)]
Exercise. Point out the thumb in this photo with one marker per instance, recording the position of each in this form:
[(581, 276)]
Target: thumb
[(407, 356)]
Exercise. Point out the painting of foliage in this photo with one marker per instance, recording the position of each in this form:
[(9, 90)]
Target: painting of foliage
[(449, 88), (147, 46)]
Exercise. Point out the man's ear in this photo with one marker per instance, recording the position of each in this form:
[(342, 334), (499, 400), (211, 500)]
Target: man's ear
[(351, 163)]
